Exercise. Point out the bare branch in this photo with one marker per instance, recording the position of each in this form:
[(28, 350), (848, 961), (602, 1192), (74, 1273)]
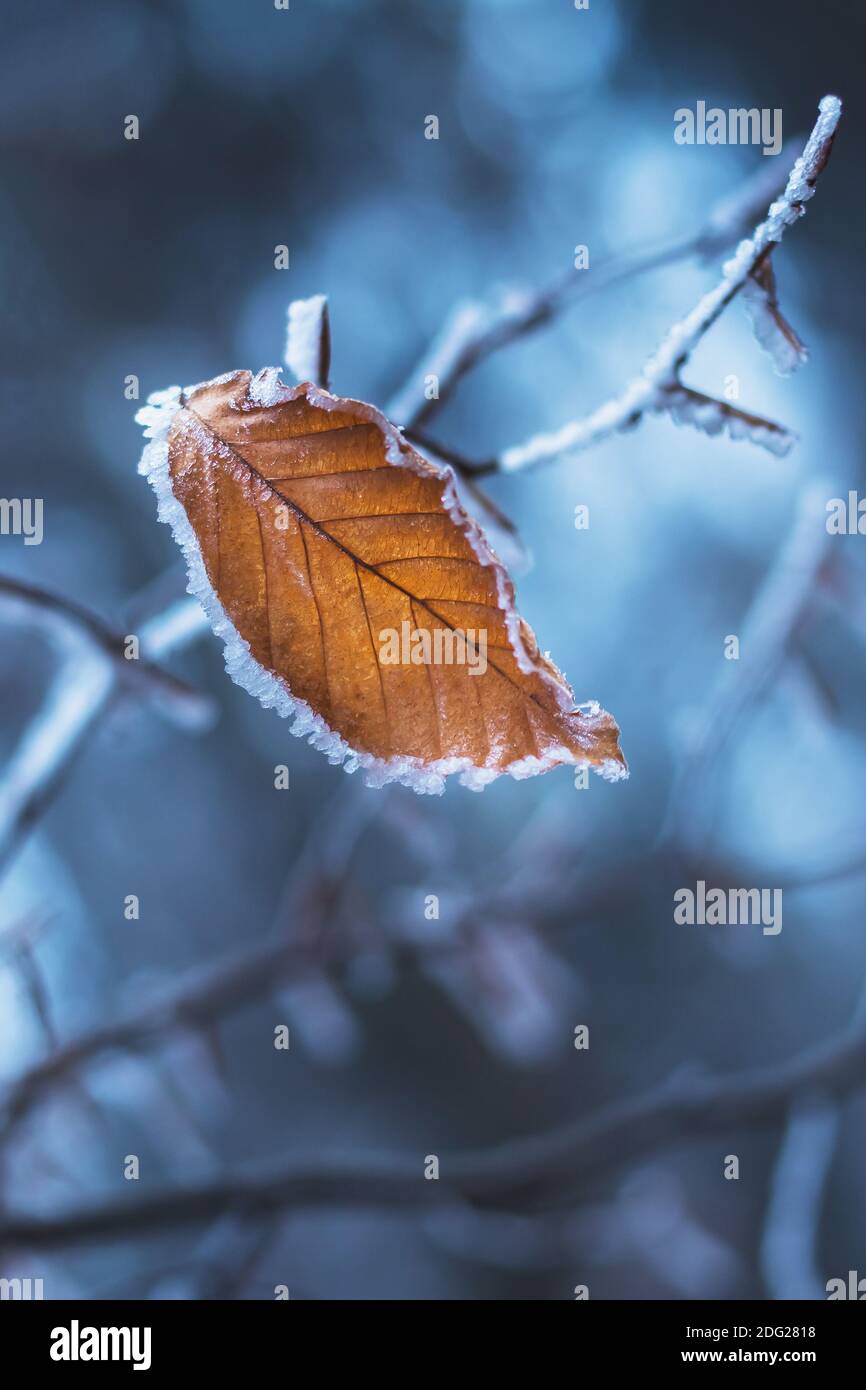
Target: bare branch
[(523, 1175), (32, 776), (308, 340), (658, 389), (473, 333), (35, 984), (198, 1000), (310, 900), (35, 607), (91, 673)]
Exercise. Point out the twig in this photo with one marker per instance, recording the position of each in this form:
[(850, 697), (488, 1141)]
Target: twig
[(91, 673), (200, 1000), (197, 1001), (308, 340), (659, 390), (473, 333), (304, 944), (309, 903), (33, 775), (524, 1174), (25, 959), (35, 607)]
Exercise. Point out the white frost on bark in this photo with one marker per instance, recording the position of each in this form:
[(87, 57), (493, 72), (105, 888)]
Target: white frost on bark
[(308, 340), (658, 388)]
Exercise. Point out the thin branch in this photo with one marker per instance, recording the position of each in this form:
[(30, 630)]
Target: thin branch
[(311, 905), (472, 333), (91, 673), (658, 389), (179, 701), (308, 904), (524, 1174), (196, 1002), (33, 775), (35, 985), (201, 999), (308, 340)]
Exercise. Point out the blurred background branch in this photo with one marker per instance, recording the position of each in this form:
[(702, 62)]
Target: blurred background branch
[(521, 1175), (433, 961)]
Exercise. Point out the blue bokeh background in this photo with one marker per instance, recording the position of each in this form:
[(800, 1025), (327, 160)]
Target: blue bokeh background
[(306, 127)]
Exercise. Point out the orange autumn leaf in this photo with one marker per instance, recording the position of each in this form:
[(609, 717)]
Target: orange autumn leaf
[(354, 593)]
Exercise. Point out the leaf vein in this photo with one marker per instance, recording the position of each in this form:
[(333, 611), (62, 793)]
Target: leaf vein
[(318, 526)]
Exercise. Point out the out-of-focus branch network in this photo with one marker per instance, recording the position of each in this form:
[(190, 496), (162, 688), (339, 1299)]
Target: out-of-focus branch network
[(494, 957)]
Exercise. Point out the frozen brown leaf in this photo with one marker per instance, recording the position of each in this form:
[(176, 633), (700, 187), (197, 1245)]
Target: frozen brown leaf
[(354, 592)]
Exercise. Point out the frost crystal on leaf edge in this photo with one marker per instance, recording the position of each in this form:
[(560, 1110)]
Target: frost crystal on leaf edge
[(271, 691)]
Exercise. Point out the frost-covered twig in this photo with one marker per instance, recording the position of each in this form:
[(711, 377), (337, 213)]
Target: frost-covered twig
[(81, 687), (53, 614), (658, 389), (520, 1175), (451, 354), (92, 670), (308, 340), (473, 332)]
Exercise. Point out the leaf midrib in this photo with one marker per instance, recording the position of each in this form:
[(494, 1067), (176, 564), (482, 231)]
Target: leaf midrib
[(356, 559)]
